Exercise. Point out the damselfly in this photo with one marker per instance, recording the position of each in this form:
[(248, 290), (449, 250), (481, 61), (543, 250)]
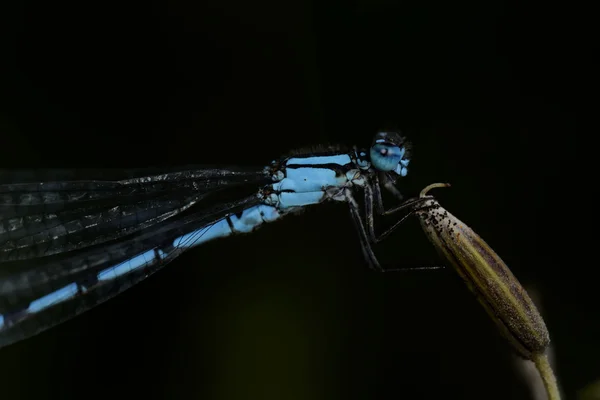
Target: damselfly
[(67, 245)]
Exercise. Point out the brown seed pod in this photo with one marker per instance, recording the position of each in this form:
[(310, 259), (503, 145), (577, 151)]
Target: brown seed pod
[(486, 275)]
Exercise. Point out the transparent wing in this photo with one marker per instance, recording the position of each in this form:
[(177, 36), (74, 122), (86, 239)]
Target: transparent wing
[(68, 245), (41, 219)]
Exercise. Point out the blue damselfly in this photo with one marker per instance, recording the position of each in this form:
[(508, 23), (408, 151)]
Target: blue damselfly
[(67, 245)]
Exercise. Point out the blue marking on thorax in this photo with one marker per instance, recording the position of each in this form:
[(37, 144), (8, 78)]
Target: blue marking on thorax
[(361, 160), (340, 159), (1, 321), (55, 297), (309, 179), (288, 200)]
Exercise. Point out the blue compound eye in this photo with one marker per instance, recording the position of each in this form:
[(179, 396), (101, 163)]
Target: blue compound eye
[(385, 157), (389, 153)]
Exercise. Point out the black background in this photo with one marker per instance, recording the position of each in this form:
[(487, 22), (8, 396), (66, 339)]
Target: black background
[(492, 94)]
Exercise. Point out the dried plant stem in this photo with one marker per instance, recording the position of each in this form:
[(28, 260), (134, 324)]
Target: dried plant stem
[(496, 288), (543, 365)]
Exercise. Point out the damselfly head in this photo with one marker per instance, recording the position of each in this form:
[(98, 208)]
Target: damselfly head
[(390, 152)]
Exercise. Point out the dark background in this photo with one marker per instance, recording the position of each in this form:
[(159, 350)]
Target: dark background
[(492, 94)]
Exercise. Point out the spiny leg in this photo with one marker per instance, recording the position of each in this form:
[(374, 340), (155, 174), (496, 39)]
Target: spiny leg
[(369, 215), (390, 187), (365, 244)]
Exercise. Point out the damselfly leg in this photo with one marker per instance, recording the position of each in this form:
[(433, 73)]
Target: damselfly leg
[(367, 234), (370, 216)]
